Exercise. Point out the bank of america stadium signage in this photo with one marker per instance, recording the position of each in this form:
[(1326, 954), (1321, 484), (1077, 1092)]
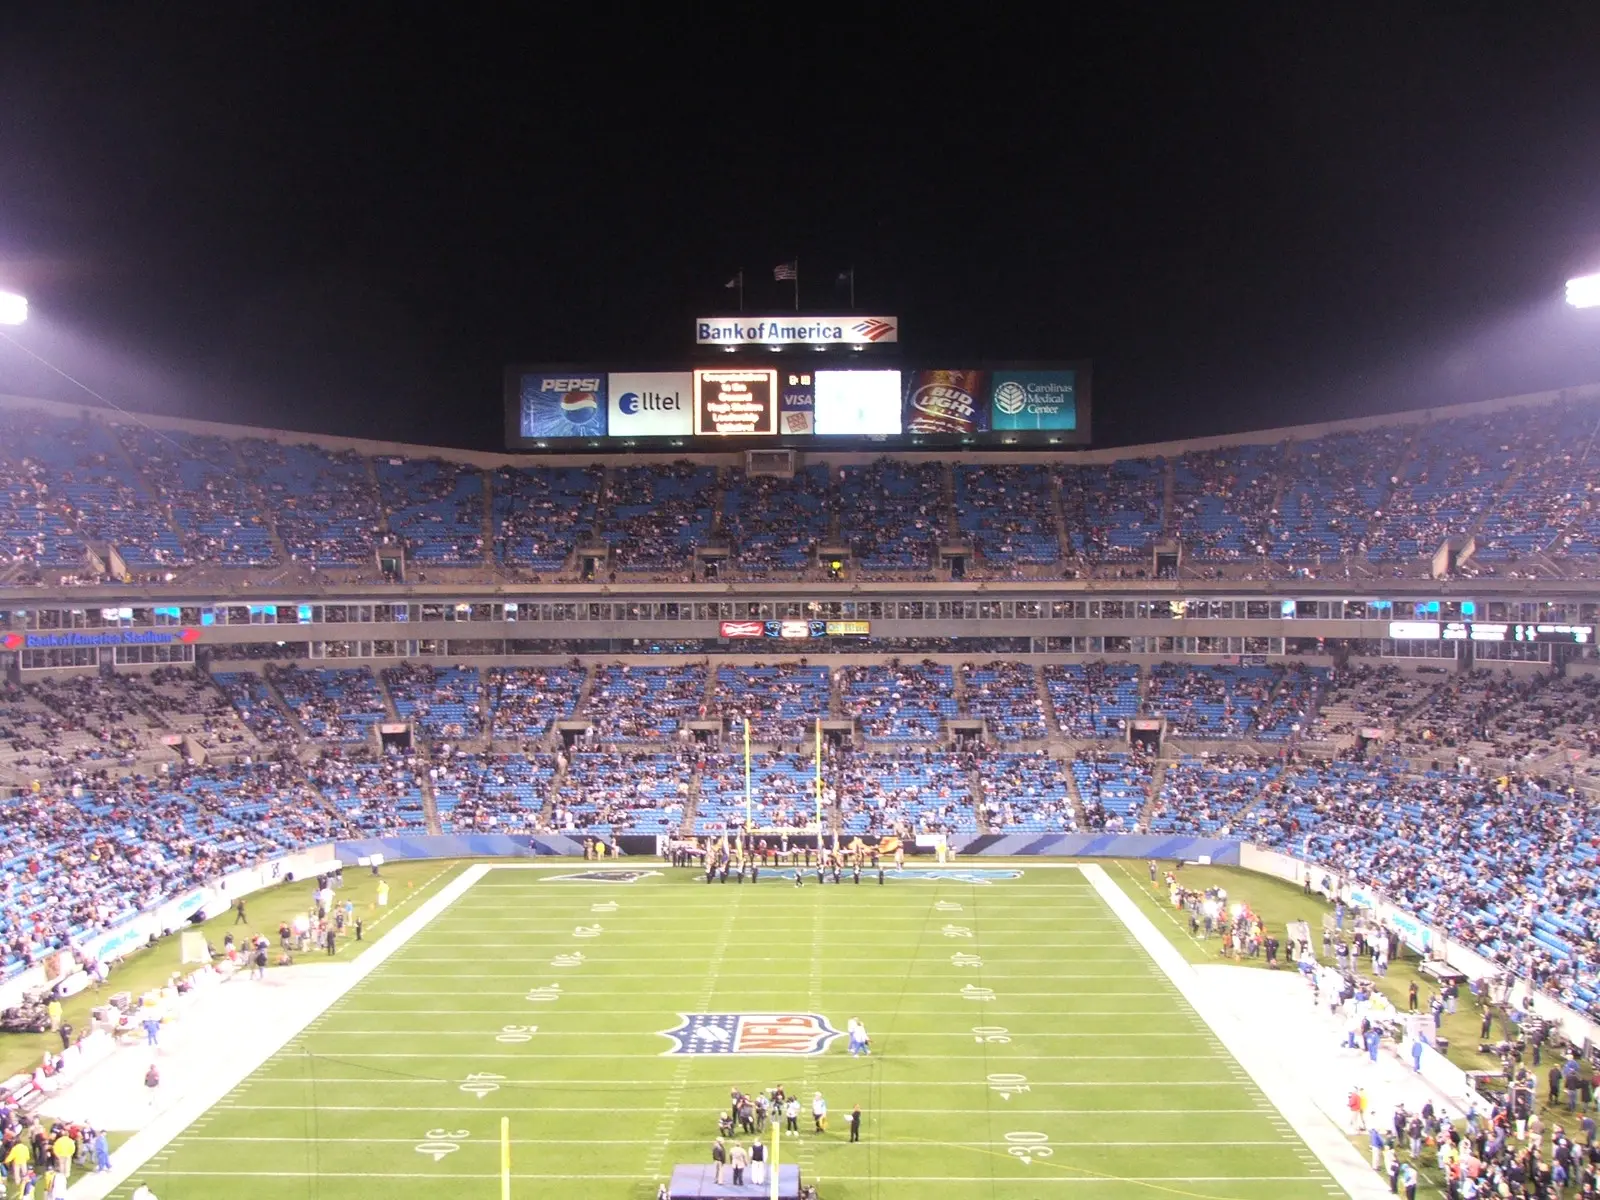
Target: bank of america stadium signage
[(796, 331), (72, 639)]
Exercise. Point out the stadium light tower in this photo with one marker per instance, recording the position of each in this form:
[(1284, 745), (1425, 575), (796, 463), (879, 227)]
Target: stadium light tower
[(13, 308), (1584, 291)]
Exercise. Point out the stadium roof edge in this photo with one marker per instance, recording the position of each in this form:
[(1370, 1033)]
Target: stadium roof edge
[(492, 459)]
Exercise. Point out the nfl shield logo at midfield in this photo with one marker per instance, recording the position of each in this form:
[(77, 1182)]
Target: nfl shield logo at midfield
[(751, 1033)]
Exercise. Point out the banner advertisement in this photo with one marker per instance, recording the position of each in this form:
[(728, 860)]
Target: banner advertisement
[(796, 331), (797, 405), (946, 402), (736, 401), (564, 404), (1033, 400), (650, 404), (63, 639)]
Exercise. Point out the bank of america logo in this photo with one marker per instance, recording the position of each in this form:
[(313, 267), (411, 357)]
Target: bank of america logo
[(873, 330), (787, 1034)]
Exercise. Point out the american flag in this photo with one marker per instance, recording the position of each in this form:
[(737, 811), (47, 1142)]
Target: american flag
[(788, 270)]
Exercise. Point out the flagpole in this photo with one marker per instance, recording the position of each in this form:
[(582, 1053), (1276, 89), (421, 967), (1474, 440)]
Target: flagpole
[(797, 284), (852, 289)]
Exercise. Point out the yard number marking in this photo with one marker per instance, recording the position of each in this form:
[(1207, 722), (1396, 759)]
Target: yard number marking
[(965, 960), (956, 931), (1007, 1084), (998, 1035), (545, 995), (587, 931), (516, 1033), (947, 906), (609, 906), (1028, 1146), (977, 993), (567, 960), (481, 1084), (439, 1142)]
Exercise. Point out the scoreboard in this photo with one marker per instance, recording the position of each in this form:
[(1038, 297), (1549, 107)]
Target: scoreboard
[(794, 399)]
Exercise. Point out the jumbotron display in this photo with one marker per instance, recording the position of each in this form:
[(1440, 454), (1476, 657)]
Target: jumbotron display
[(796, 401)]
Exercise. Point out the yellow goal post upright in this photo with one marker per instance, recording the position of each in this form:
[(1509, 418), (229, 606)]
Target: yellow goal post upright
[(505, 1158)]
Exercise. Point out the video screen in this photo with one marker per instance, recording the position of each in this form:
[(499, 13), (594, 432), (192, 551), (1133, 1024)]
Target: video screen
[(858, 402), (739, 401)]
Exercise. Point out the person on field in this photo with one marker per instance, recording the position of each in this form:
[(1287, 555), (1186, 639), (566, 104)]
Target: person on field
[(819, 1114), (855, 1123), (719, 1159), (791, 1115)]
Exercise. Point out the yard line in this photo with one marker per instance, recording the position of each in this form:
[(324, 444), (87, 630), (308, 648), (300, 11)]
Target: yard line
[(487, 1144), (1030, 1180), (614, 1108), (533, 1057), (609, 1084)]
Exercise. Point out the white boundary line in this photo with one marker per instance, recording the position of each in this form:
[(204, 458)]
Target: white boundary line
[(138, 1150), (1325, 1139)]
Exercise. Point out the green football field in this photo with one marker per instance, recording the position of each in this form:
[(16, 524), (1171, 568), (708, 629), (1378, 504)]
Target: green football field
[(1023, 1046)]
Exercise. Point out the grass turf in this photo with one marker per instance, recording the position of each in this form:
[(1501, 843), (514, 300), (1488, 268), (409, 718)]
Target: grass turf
[(1124, 1091)]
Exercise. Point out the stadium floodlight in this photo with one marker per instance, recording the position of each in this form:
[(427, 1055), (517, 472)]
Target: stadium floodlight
[(1584, 291), (13, 308)]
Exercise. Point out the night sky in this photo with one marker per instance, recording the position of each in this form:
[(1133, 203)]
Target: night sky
[(349, 224)]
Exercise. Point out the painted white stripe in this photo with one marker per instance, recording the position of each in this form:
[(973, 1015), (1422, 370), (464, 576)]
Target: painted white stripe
[(614, 1108), (487, 1144), (723, 1059)]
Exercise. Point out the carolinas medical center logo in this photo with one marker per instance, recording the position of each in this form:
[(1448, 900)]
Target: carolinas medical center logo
[(563, 405), (1034, 400), (787, 1034)]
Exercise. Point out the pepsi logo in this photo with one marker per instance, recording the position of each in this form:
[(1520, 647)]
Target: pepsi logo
[(580, 408)]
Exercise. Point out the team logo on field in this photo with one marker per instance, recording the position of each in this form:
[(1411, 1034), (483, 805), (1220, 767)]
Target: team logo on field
[(751, 1033), (601, 877), (969, 876)]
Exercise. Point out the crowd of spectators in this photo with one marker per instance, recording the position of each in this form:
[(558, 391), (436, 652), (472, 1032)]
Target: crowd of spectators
[(435, 508), (340, 704), (1005, 695), (1008, 512), (1026, 793), (645, 704), (655, 516), (899, 702), (541, 514), (772, 523), (490, 793), (782, 701), (524, 702), (1093, 700), (444, 702), (892, 513)]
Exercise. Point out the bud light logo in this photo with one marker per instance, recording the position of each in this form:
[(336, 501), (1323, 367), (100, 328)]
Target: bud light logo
[(783, 1034), (566, 405)]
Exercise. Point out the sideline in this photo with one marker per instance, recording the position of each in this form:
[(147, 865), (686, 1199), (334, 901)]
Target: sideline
[(137, 1151), (1321, 1135)]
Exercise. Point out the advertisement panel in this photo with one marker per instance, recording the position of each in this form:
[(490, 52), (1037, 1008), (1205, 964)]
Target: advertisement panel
[(858, 402), (796, 331), (742, 629), (1033, 400), (650, 404), (946, 402), (737, 401), (797, 405), (562, 404)]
